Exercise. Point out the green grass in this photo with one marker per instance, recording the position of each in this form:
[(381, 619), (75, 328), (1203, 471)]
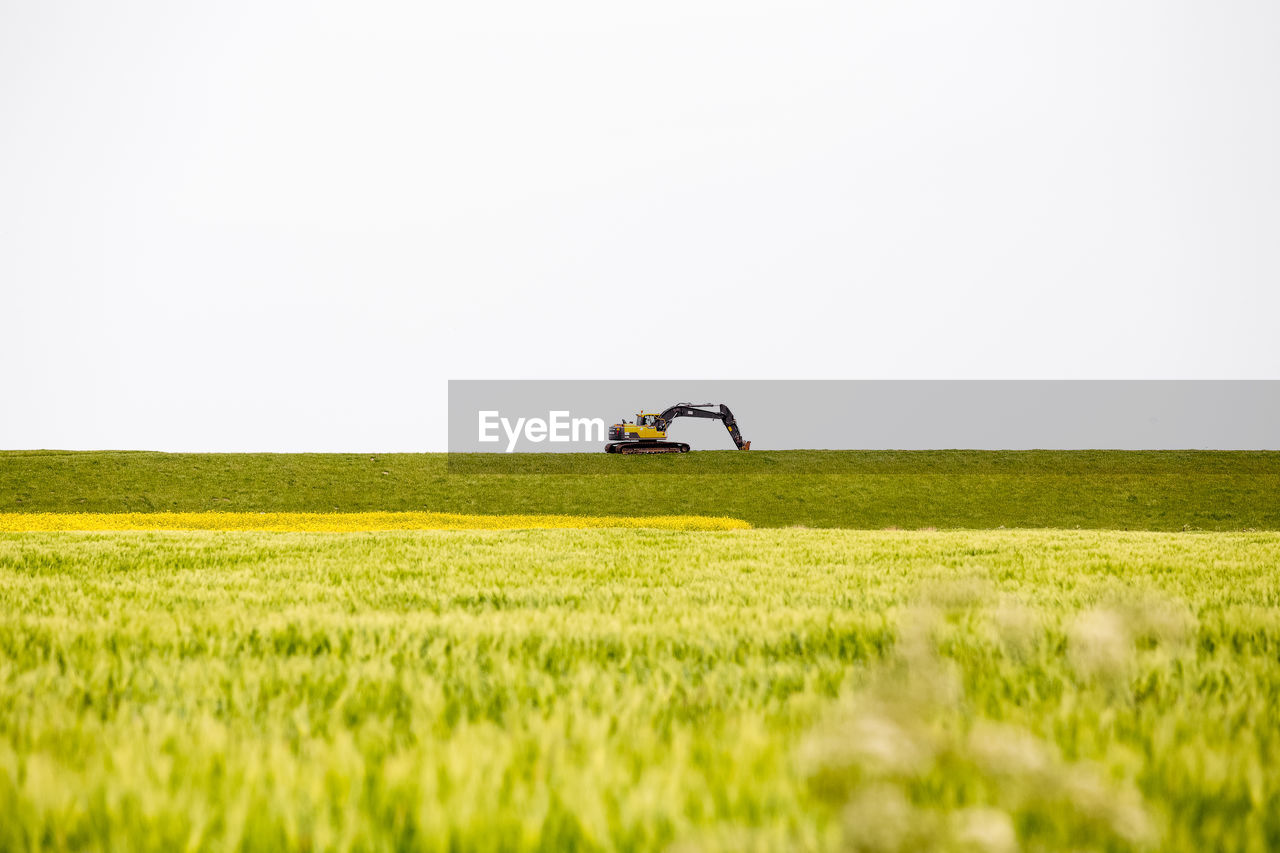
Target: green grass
[(966, 489), (637, 689), (599, 690)]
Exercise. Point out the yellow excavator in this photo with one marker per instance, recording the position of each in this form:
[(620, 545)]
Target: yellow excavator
[(647, 433)]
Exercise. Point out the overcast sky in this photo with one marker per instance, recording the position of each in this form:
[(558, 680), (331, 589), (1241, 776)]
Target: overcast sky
[(284, 226)]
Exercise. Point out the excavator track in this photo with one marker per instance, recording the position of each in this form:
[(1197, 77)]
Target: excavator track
[(646, 447)]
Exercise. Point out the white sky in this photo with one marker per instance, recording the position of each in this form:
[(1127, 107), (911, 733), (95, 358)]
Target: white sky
[(284, 226)]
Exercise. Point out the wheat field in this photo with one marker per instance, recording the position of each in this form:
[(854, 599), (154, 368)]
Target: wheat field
[(639, 689)]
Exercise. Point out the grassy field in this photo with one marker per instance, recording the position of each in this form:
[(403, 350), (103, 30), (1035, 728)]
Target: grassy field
[(873, 490), (640, 689), (634, 689)]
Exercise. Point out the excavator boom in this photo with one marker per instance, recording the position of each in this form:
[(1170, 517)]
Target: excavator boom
[(703, 410)]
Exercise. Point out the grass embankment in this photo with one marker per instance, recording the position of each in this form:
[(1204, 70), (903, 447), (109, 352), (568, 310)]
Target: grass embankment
[(346, 522), (1153, 490), (590, 690)]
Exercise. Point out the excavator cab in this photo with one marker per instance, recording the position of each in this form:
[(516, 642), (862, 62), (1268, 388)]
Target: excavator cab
[(648, 427)]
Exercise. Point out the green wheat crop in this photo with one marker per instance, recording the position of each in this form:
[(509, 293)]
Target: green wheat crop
[(640, 689)]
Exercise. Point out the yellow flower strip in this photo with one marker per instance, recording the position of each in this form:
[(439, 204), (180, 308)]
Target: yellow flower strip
[(345, 522)]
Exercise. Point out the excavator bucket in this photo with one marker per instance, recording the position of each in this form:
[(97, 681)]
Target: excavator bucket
[(746, 445)]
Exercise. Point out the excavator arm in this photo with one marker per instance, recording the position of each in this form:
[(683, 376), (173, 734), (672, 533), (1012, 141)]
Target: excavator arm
[(704, 410)]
